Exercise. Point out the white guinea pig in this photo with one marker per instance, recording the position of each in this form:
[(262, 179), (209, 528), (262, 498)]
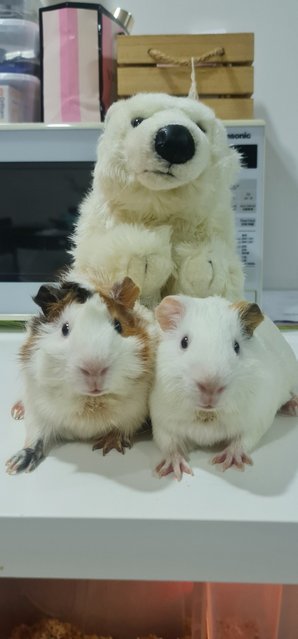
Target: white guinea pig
[(222, 372), (87, 365)]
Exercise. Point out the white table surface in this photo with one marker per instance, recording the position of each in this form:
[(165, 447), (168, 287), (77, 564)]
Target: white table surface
[(83, 515)]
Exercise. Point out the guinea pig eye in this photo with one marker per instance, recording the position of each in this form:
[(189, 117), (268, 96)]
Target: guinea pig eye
[(136, 121), (201, 127), (184, 342), (117, 326), (65, 329), (236, 348)]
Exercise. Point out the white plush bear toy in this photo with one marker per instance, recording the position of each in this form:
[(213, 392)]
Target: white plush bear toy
[(160, 209)]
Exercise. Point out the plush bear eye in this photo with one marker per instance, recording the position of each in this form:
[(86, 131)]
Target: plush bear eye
[(117, 326), (136, 121), (184, 342), (201, 127), (65, 329), (236, 348)]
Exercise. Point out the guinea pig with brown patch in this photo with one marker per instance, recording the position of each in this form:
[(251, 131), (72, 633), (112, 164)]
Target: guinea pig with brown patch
[(87, 366), (223, 370)]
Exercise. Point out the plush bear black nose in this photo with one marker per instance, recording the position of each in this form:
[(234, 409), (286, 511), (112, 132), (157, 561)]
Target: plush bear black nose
[(174, 143)]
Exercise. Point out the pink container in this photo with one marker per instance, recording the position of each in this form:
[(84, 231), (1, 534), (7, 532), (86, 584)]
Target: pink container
[(78, 61), (243, 611)]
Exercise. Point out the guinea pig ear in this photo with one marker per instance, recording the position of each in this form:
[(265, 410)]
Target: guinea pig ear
[(250, 316), (169, 312), (125, 293), (46, 296)]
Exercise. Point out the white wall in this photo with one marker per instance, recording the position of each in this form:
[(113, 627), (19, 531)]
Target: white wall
[(275, 24)]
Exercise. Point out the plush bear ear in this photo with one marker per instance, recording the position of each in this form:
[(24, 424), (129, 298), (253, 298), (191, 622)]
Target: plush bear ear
[(169, 312), (125, 293), (250, 316)]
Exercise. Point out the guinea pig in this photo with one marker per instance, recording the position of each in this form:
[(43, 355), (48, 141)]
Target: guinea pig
[(87, 366), (223, 370)]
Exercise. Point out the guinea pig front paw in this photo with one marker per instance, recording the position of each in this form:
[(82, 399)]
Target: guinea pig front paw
[(176, 464), (18, 410), (232, 456), (26, 459), (112, 440)]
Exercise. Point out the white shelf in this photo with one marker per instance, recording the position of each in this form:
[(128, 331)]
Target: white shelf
[(82, 515)]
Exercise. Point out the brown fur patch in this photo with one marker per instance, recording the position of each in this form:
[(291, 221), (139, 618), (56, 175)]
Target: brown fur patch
[(131, 324), (125, 292), (91, 406), (28, 347), (120, 299), (55, 309), (250, 316), (206, 416)]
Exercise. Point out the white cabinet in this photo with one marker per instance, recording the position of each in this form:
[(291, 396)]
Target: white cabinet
[(81, 515)]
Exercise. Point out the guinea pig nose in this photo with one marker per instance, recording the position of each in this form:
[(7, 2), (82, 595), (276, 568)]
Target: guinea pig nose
[(174, 143), (210, 388), (93, 369)]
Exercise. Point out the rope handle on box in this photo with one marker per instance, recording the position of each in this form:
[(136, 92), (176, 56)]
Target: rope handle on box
[(163, 58)]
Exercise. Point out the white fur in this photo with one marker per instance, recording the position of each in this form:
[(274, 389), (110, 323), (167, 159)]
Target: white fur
[(257, 381), (57, 401), (162, 230)]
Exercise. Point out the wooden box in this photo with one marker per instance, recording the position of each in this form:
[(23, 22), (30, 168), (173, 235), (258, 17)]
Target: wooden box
[(161, 63)]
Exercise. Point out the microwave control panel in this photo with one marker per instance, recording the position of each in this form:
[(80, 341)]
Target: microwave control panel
[(248, 139)]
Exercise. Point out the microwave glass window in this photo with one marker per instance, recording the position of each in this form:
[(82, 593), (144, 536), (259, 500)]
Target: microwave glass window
[(38, 209)]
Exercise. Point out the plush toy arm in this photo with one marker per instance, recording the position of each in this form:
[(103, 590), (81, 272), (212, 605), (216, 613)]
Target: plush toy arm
[(211, 269), (142, 254)]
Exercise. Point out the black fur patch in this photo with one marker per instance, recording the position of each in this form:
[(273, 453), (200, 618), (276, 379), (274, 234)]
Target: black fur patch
[(48, 295), (81, 294), (26, 459)]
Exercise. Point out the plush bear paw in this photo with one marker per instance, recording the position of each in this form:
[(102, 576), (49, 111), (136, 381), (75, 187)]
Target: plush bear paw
[(212, 269), (149, 272), (196, 276)]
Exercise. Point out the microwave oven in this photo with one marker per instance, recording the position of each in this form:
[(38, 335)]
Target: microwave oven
[(45, 171)]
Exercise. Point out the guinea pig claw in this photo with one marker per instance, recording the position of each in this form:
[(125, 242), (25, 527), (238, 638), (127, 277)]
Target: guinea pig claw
[(175, 464), (18, 410), (232, 456), (112, 440)]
